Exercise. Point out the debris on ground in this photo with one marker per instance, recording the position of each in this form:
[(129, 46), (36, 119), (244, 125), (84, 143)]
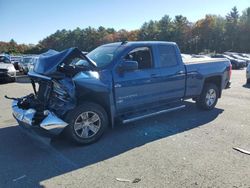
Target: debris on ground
[(122, 180), (136, 180), (242, 150), (19, 178)]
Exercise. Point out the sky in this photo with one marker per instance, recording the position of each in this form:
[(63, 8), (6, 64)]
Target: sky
[(29, 21)]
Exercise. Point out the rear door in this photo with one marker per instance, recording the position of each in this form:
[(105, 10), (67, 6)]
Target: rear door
[(172, 73)]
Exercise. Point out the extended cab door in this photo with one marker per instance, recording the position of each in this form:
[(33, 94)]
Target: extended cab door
[(173, 73), (136, 89)]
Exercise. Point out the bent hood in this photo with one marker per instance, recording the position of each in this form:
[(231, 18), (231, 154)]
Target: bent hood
[(49, 61)]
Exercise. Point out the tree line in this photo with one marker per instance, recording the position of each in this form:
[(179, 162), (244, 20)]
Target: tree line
[(210, 34)]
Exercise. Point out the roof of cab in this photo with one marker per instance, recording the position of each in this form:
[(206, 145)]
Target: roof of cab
[(138, 43)]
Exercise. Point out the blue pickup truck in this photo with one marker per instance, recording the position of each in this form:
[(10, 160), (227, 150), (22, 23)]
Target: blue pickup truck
[(118, 82)]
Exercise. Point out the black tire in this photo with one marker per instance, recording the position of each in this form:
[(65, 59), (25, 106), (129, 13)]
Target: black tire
[(202, 101), (248, 81), (73, 116)]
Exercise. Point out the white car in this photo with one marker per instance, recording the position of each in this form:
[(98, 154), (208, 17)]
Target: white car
[(248, 73), (7, 69)]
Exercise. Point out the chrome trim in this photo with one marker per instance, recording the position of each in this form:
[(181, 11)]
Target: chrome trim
[(51, 122), (118, 85), (153, 114), (86, 123)]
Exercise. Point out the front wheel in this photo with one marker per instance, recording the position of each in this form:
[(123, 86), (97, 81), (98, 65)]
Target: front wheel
[(209, 97), (87, 123)]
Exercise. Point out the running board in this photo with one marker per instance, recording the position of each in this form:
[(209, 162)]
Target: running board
[(152, 114)]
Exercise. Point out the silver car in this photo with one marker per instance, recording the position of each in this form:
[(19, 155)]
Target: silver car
[(7, 69), (248, 73)]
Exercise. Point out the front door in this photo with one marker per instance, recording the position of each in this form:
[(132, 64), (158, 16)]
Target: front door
[(135, 89)]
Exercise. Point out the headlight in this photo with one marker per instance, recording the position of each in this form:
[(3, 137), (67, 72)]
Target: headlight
[(11, 69)]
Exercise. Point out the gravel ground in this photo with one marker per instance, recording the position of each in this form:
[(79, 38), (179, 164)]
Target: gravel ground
[(187, 148)]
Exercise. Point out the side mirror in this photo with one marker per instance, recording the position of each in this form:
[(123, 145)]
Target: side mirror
[(128, 66)]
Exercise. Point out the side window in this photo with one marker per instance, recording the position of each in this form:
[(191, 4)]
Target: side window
[(167, 56), (142, 55)]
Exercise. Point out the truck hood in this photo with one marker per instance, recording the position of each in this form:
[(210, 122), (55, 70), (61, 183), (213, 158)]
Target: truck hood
[(48, 63)]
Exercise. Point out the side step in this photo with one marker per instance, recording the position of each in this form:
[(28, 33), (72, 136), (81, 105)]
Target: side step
[(142, 116)]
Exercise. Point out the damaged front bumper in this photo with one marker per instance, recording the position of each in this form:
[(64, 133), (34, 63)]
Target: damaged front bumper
[(50, 125)]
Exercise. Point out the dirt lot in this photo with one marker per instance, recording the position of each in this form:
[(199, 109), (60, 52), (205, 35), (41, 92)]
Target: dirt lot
[(188, 148)]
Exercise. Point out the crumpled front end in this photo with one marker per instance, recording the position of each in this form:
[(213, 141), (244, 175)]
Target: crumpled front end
[(54, 92), (50, 123), (46, 109)]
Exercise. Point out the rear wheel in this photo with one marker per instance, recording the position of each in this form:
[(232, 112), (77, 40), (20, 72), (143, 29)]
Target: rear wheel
[(87, 123), (209, 97)]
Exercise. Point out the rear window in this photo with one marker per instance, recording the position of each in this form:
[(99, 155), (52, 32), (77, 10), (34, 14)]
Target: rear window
[(167, 56)]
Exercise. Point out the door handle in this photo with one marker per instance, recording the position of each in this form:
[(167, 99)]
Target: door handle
[(180, 72)]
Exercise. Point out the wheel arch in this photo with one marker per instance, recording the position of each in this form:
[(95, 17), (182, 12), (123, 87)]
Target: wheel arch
[(102, 99), (217, 80)]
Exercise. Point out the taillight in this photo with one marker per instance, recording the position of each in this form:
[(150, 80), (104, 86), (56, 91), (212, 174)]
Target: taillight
[(230, 71)]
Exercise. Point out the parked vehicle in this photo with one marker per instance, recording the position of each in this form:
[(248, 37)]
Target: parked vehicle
[(236, 56), (7, 70), (25, 63), (186, 56), (32, 63), (15, 60), (248, 73), (128, 81), (243, 57), (236, 63)]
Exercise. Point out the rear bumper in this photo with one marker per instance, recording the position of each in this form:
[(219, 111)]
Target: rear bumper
[(50, 125)]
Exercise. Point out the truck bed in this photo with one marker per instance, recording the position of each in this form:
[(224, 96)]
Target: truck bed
[(200, 68), (202, 60)]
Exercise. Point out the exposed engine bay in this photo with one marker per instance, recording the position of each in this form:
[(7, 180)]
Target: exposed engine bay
[(54, 96)]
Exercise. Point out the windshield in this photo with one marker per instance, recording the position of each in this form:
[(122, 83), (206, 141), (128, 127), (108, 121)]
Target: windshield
[(4, 59), (103, 55)]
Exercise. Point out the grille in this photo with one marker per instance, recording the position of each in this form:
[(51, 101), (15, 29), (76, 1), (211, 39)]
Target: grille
[(3, 70)]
